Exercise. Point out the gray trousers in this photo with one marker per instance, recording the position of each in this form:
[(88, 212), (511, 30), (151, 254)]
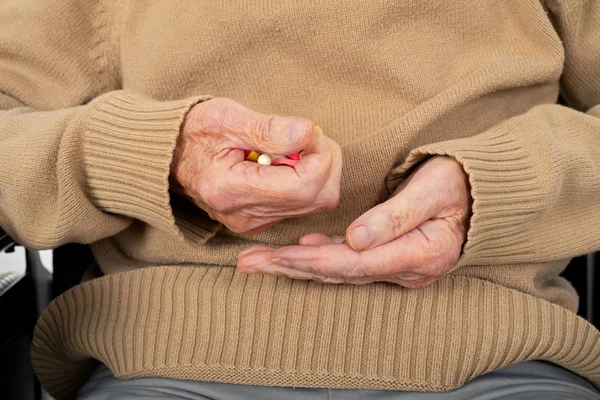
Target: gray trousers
[(524, 381)]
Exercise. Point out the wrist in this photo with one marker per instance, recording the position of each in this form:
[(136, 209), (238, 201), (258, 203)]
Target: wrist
[(176, 182)]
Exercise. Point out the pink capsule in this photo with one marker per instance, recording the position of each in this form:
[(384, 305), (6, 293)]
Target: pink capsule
[(284, 161)]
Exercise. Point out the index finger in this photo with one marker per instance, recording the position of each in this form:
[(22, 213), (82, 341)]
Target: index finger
[(341, 261)]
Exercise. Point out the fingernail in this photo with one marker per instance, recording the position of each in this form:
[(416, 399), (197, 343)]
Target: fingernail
[(297, 130), (317, 130), (280, 261), (360, 238)]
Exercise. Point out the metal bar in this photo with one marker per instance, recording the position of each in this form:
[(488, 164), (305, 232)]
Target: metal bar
[(590, 263), (5, 241)]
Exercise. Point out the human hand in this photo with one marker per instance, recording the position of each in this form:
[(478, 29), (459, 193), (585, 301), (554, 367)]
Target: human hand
[(412, 239), (209, 169)]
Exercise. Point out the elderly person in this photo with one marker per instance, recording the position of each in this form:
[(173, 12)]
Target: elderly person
[(429, 263)]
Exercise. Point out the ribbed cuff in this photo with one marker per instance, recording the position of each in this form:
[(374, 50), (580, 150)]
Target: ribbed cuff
[(506, 193), (128, 148)]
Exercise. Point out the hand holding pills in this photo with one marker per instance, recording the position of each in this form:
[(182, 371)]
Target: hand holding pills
[(412, 239), (271, 159), (211, 169)]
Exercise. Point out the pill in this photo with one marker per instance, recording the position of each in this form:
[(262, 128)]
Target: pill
[(264, 159), (284, 161), (252, 156)]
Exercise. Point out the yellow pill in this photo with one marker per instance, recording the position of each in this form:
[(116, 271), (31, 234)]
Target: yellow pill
[(253, 156)]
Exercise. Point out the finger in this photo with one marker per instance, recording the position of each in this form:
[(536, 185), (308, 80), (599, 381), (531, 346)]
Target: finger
[(230, 121), (260, 262), (258, 184), (250, 261), (251, 249), (328, 198), (327, 269), (334, 260), (316, 161), (319, 239), (315, 239), (419, 201), (288, 188), (277, 134)]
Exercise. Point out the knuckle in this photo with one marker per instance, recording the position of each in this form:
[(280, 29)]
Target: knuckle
[(445, 171), (435, 254), (221, 115), (210, 117), (458, 226), (373, 269), (452, 257), (396, 220), (438, 271), (216, 197), (210, 195), (442, 260), (240, 226), (331, 202), (435, 265), (357, 270), (306, 196), (224, 105), (262, 128)]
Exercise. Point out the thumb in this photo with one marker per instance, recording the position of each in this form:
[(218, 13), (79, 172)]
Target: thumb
[(280, 135), (389, 220)]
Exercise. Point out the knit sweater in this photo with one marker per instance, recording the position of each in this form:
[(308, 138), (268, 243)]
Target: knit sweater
[(92, 96)]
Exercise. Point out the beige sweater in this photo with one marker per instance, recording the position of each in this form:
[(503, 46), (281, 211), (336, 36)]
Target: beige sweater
[(93, 93)]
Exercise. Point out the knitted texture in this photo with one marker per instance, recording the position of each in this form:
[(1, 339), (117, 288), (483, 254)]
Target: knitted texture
[(92, 96), (216, 324)]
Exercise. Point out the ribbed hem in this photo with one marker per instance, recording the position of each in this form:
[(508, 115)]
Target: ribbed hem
[(128, 149), (505, 189), (214, 324)]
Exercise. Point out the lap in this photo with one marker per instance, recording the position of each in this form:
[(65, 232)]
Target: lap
[(525, 381)]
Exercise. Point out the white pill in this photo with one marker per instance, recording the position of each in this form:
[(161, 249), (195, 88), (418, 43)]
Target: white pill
[(264, 159)]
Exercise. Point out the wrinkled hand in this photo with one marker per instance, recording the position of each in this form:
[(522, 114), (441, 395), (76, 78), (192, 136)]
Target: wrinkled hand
[(412, 239), (209, 169)]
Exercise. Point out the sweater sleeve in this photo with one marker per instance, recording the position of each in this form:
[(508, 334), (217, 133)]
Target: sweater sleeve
[(535, 178), (80, 160)]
